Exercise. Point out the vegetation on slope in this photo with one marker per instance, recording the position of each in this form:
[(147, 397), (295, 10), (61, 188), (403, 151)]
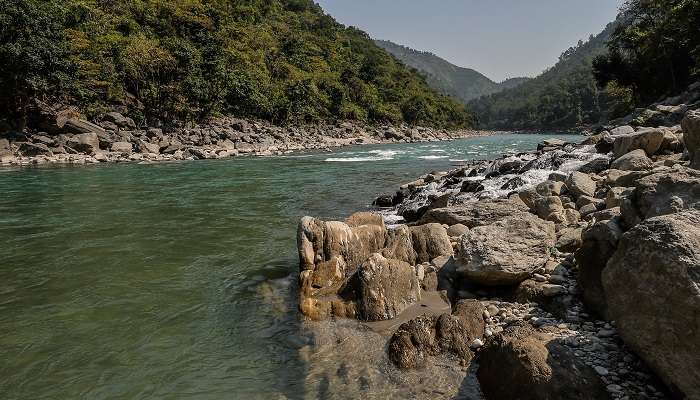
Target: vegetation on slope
[(182, 60), (655, 52), (463, 83), (564, 96)]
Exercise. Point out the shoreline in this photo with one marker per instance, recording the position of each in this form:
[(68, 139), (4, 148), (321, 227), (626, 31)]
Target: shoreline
[(83, 142), (539, 253)]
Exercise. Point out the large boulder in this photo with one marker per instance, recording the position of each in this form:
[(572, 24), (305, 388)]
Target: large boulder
[(385, 288), (87, 143), (428, 335), (475, 213), (580, 184), (75, 125), (527, 364), (430, 241), (691, 136), (635, 160), (652, 284), (649, 140), (599, 243), (662, 193), (506, 252), (121, 147), (399, 245)]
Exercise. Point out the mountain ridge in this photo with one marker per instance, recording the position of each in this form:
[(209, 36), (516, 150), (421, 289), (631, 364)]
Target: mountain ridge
[(460, 82)]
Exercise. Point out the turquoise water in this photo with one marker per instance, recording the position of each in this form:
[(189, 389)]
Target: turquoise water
[(173, 280)]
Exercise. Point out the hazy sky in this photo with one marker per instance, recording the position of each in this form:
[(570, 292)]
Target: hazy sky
[(499, 38)]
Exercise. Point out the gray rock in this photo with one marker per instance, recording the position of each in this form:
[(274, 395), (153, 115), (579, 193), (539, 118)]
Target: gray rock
[(506, 252), (580, 184), (635, 160), (651, 284), (474, 214), (622, 130)]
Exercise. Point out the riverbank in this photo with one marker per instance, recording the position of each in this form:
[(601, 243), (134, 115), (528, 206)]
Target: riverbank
[(66, 139), (570, 270)]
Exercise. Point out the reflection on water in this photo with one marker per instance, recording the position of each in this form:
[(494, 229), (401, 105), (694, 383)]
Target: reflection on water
[(177, 280)]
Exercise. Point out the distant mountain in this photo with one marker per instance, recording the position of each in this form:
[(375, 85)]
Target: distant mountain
[(463, 83), (564, 96)]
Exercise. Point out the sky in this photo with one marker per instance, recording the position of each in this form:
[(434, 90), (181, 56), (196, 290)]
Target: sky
[(499, 38)]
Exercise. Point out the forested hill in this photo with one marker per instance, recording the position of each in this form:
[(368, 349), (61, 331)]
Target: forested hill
[(463, 83), (564, 96), (281, 60)]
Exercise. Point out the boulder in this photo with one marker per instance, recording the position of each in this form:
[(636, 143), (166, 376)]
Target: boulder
[(475, 213), (580, 184), (595, 166), (427, 335), (570, 239), (662, 193), (399, 245), (147, 147), (615, 195), (652, 284), (121, 147), (87, 143), (598, 244), (649, 140), (691, 137), (635, 160), (34, 149), (506, 252), (385, 288), (457, 230), (527, 364), (75, 125), (430, 241), (622, 130), (119, 120)]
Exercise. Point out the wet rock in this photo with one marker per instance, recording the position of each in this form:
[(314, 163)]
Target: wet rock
[(599, 243), (652, 288), (386, 287), (472, 186), (595, 166), (691, 136), (474, 214), (636, 160), (430, 241), (506, 252), (524, 363)]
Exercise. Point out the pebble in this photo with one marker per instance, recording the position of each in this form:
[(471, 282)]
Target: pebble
[(600, 370)]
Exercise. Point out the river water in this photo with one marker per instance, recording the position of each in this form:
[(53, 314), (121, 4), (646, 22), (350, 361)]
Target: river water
[(174, 280)]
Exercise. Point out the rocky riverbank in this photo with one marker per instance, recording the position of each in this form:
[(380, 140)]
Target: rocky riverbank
[(566, 272), (62, 136)]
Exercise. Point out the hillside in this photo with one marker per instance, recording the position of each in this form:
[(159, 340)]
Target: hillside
[(285, 61), (463, 83), (564, 96)]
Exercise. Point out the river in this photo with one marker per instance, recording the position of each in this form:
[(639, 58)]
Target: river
[(173, 280)]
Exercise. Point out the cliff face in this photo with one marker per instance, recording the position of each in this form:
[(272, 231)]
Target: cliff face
[(463, 83)]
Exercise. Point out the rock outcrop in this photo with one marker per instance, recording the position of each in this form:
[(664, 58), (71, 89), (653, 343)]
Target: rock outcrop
[(652, 285)]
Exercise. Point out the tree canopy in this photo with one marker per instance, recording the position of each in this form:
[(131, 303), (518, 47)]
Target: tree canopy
[(285, 61)]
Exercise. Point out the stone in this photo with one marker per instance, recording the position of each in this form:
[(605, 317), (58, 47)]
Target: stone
[(122, 147), (615, 195), (691, 137), (550, 290), (662, 193), (457, 230), (570, 239), (385, 288), (87, 143), (580, 184), (652, 284), (622, 130), (598, 244), (474, 214), (424, 336), (635, 160), (430, 241), (34, 149), (649, 140), (399, 245), (75, 125), (506, 252), (147, 147), (527, 364), (595, 166), (119, 120)]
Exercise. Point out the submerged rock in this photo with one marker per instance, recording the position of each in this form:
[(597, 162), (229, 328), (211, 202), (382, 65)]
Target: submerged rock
[(652, 284)]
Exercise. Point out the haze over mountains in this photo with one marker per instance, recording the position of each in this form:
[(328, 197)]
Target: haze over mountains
[(463, 83)]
